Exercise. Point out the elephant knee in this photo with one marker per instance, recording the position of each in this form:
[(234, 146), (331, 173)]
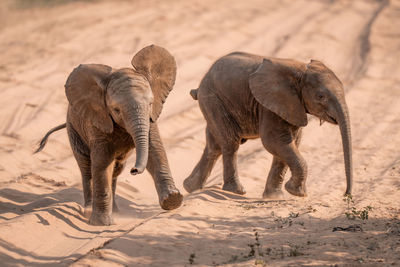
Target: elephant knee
[(299, 169)]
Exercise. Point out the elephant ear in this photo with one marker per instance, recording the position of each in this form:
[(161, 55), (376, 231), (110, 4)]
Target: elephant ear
[(85, 89), (159, 67), (273, 86)]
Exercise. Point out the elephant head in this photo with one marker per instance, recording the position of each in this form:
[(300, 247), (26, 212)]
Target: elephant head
[(129, 97), (291, 89)]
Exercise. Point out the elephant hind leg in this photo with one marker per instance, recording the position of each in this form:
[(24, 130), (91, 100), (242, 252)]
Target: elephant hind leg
[(82, 156), (231, 176), (85, 168), (202, 171)]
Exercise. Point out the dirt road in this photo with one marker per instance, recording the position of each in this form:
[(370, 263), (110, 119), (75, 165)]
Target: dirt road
[(41, 219)]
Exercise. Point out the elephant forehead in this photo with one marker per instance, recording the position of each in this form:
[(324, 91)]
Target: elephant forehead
[(332, 83), (127, 81), (324, 77)]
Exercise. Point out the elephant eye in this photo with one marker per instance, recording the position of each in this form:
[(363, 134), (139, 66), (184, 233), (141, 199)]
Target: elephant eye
[(117, 110), (320, 97)]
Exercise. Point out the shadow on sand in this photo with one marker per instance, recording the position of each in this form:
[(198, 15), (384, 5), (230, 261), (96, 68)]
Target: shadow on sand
[(255, 235), (59, 212)]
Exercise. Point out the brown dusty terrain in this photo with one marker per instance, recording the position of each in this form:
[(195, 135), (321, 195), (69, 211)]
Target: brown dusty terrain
[(41, 220)]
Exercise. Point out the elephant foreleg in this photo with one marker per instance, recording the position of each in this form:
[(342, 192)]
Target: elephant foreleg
[(282, 143), (102, 170), (201, 172), (273, 187), (157, 164), (298, 166)]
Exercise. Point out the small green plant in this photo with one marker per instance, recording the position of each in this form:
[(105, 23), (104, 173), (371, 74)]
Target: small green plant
[(233, 258), (258, 244), (191, 258), (363, 214), (348, 199), (393, 227), (311, 209), (260, 262), (360, 260), (294, 251), (252, 251), (282, 221), (256, 252), (352, 212), (256, 247)]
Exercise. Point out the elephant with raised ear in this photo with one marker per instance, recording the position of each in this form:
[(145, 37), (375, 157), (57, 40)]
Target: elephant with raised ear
[(245, 96), (110, 112)]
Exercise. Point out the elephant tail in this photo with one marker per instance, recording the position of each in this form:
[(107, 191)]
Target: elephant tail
[(44, 139), (193, 93)]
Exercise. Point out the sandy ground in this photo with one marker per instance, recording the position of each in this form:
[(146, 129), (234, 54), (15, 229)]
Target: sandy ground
[(41, 220)]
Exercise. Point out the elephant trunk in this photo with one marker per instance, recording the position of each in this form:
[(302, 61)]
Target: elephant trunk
[(343, 120), (138, 128)]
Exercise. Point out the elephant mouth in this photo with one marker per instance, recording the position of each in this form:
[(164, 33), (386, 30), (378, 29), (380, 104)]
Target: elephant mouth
[(330, 119), (327, 117)]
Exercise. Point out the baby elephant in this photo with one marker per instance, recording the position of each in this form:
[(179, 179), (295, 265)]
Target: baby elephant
[(246, 96), (110, 112)]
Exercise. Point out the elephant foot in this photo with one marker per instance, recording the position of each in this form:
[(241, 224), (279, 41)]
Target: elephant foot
[(171, 199), (296, 190), (100, 219), (87, 211), (273, 194), (191, 184), (234, 187)]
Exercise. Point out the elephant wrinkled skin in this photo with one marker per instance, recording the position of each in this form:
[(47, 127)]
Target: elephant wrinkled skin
[(112, 111), (245, 96)]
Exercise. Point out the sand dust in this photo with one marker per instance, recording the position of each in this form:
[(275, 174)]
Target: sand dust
[(41, 220)]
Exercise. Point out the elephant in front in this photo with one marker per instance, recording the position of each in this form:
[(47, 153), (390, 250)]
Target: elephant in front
[(245, 96), (111, 112)]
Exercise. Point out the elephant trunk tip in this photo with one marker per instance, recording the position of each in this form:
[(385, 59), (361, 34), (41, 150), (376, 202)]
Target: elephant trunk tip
[(193, 93), (137, 170), (348, 192)]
